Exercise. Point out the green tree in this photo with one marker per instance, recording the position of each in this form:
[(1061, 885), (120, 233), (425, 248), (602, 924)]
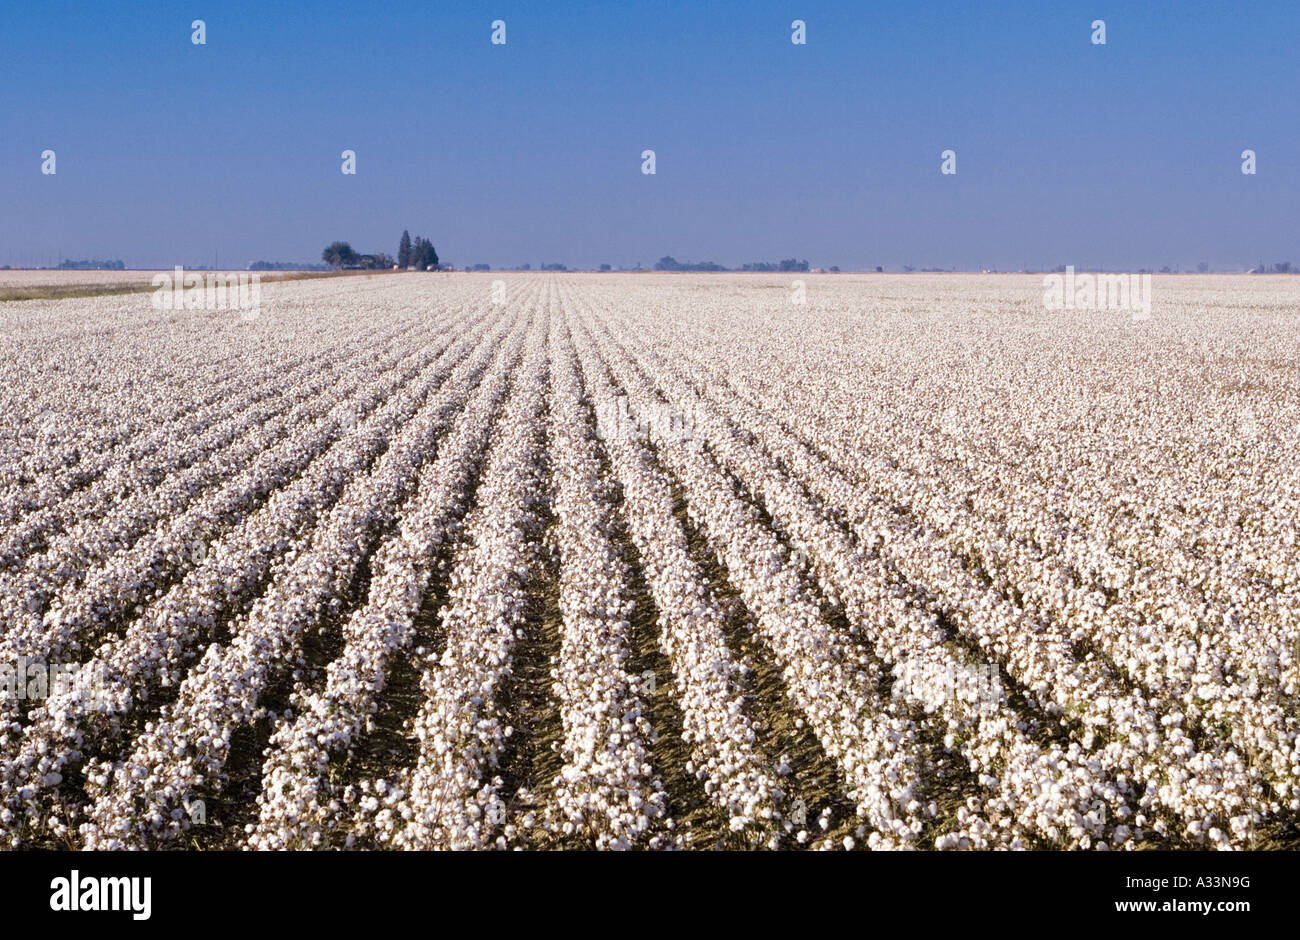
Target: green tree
[(404, 250), (422, 254), (339, 254)]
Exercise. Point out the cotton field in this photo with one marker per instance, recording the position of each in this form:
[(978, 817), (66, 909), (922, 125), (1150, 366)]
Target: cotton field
[(667, 561)]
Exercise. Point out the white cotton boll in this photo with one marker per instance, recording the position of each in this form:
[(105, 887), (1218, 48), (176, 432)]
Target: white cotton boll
[(1177, 605)]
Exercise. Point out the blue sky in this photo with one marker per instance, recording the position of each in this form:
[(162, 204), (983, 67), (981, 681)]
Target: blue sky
[(1123, 155)]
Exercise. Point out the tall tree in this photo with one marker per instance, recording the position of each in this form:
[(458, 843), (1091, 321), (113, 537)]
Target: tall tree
[(338, 254), (404, 250), (422, 254)]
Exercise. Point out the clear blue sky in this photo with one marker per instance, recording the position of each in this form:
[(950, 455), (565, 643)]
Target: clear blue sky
[(1122, 155)]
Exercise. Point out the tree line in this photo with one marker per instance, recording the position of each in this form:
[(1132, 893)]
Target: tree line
[(669, 263), (418, 254), (415, 253)]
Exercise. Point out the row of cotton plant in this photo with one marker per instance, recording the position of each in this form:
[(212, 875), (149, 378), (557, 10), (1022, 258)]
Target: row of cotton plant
[(692, 636), (1212, 641), (985, 731), (1211, 797), (297, 808), (160, 647), (832, 681), (1176, 659), (204, 587), (1212, 793), (115, 512), (74, 458), (128, 579), (606, 794), (452, 798), (126, 582), (1027, 580), (78, 495), (187, 749)]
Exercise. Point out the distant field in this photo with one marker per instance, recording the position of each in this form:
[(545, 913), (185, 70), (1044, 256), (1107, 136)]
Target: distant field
[(654, 560), (49, 278), (17, 285), (54, 285)]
